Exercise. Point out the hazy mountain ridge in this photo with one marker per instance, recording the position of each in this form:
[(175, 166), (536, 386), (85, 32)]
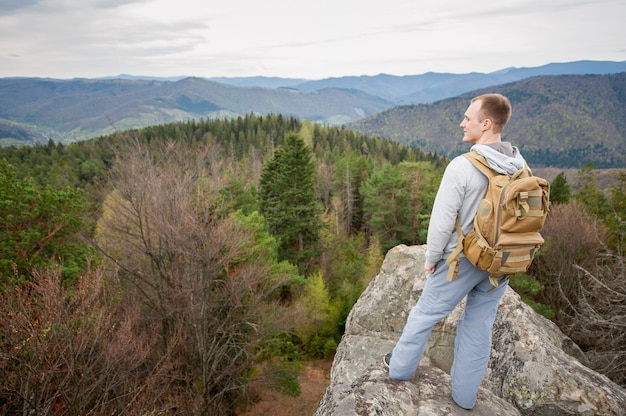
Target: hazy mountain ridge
[(558, 121), (433, 86)]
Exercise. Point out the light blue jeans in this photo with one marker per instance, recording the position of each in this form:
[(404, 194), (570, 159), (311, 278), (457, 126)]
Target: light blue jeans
[(472, 344)]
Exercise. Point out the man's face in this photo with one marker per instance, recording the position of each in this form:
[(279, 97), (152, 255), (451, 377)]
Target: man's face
[(472, 125)]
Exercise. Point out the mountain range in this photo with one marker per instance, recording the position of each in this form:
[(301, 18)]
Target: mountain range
[(415, 89), (565, 121), (34, 110), (431, 86)]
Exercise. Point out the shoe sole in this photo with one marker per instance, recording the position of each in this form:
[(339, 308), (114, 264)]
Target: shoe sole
[(385, 360)]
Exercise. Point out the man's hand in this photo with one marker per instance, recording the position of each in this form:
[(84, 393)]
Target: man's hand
[(430, 270)]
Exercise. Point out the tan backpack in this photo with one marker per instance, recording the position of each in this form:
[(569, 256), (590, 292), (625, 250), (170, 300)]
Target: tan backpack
[(506, 232)]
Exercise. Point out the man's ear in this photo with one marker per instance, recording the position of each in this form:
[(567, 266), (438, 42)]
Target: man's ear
[(487, 124)]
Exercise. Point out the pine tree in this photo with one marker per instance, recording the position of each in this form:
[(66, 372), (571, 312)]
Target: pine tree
[(40, 227), (589, 194), (397, 199), (560, 192), (287, 201)]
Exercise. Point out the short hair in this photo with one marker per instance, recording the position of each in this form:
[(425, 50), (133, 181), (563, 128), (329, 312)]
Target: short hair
[(495, 107)]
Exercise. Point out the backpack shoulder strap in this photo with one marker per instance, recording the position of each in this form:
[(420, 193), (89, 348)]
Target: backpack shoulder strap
[(453, 259), (480, 163)]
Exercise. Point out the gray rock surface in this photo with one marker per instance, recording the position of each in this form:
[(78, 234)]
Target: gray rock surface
[(534, 368)]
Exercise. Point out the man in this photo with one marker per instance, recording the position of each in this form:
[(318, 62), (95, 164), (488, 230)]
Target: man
[(462, 187)]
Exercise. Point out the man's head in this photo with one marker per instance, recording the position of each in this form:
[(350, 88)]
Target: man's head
[(485, 118)]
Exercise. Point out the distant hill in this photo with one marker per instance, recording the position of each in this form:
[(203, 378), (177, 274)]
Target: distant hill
[(263, 82), (558, 121), (431, 87), (71, 110)]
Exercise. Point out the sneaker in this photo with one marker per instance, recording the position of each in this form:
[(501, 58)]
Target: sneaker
[(387, 359)]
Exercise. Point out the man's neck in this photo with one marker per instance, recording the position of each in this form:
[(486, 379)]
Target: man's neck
[(489, 138)]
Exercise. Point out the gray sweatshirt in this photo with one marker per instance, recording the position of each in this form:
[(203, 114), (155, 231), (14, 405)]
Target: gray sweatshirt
[(462, 187)]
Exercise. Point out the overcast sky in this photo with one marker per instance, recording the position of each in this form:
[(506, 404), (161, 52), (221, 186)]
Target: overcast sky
[(302, 39)]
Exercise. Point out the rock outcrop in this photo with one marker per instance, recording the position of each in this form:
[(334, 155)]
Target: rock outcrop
[(534, 368)]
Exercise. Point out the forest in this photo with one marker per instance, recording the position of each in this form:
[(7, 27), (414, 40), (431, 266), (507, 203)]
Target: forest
[(163, 270)]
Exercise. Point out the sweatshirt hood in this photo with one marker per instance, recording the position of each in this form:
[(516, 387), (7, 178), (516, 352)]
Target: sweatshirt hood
[(499, 161)]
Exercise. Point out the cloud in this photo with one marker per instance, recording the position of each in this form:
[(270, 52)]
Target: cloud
[(65, 38), (9, 6)]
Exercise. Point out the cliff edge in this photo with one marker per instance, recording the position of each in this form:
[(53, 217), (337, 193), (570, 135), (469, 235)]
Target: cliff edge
[(534, 368)]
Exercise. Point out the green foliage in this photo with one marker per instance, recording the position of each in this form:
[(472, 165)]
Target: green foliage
[(283, 362), (283, 377), (398, 200), (236, 197), (317, 322), (616, 218), (589, 194), (288, 203), (350, 172), (280, 344), (528, 289), (81, 165), (264, 245), (539, 307), (560, 192), (352, 267), (327, 301), (387, 203), (38, 227), (320, 347), (349, 269), (263, 249), (316, 307)]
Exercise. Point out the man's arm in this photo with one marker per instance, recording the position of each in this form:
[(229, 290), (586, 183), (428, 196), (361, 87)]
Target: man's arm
[(448, 202)]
